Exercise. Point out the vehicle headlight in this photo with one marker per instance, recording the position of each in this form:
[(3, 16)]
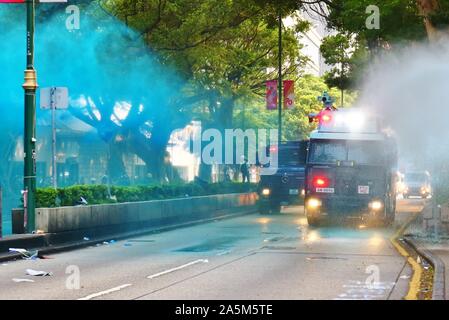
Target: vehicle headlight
[(313, 203), (376, 205), (266, 192)]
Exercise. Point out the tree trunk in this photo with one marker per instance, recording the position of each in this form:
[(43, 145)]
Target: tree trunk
[(426, 9), (153, 152), (116, 167), (205, 172)]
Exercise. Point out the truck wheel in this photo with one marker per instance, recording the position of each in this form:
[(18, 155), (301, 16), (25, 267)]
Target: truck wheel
[(264, 210), (389, 216), (314, 222), (275, 208)]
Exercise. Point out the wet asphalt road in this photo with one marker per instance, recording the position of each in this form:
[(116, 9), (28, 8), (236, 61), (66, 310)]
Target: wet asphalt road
[(250, 257)]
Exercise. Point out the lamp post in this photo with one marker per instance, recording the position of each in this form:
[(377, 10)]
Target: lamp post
[(29, 142), (280, 78)]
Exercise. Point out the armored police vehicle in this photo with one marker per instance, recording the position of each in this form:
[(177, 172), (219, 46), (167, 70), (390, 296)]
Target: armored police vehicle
[(350, 170), (286, 186)]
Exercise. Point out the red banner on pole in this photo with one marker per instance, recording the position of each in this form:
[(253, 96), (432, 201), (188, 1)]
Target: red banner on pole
[(272, 95), (12, 1), (289, 94)]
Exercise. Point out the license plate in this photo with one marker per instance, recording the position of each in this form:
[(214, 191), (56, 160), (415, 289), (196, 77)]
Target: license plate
[(363, 189), (325, 190), (294, 192)]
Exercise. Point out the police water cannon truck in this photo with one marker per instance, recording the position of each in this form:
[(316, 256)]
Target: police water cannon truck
[(350, 169)]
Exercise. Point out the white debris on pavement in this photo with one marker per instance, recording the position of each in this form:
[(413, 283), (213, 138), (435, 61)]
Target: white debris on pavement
[(37, 273), (22, 280)]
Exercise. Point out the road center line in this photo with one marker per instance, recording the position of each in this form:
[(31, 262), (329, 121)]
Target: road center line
[(102, 293), (178, 268)]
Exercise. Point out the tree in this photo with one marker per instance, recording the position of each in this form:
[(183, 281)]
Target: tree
[(337, 51), (436, 17), (222, 49), (295, 121)]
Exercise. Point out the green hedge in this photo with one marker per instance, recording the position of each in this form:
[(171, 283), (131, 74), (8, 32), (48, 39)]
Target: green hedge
[(98, 194)]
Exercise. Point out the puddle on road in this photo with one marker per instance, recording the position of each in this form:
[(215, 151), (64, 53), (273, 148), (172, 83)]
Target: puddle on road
[(212, 245)]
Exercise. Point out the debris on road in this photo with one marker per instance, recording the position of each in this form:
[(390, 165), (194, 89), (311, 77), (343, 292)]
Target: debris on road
[(27, 255), (22, 251), (82, 202), (37, 273), (34, 256), (86, 239), (22, 280)]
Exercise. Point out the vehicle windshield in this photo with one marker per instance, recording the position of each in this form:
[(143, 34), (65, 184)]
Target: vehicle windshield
[(290, 157), (327, 152), (415, 177), (361, 152), (365, 152), (292, 154)]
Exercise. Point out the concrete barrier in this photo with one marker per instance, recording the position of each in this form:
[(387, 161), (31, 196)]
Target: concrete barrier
[(126, 216)]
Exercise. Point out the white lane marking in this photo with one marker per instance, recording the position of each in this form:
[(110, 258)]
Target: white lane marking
[(223, 253), (178, 268), (102, 293)]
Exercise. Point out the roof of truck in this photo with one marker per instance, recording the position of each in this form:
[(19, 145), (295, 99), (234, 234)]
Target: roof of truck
[(347, 136)]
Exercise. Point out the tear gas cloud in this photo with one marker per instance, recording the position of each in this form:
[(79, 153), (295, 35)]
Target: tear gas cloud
[(409, 88)]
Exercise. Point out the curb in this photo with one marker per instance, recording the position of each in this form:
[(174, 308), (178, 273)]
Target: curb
[(82, 244), (437, 264)]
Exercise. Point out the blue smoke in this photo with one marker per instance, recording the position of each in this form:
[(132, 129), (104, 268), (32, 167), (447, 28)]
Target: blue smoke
[(103, 62)]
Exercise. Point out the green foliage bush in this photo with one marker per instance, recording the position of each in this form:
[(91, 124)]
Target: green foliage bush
[(99, 194)]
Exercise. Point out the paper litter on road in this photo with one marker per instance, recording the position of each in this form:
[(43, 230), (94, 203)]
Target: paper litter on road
[(22, 280), (22, 251), (34, 256), (86, 239), (25, 253), (37, 273)]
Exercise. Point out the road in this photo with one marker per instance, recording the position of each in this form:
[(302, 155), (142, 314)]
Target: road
[(249, 257)]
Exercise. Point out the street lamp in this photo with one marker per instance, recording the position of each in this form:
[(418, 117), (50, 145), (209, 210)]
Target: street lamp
[(29, 145), (280, 77)]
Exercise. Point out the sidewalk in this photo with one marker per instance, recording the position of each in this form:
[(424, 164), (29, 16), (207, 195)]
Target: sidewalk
[(434, 247)]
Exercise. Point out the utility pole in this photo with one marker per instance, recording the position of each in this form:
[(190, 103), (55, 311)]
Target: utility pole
[(53, 140), (1, 213), (29, 142), (280, 78), (342, 75)]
